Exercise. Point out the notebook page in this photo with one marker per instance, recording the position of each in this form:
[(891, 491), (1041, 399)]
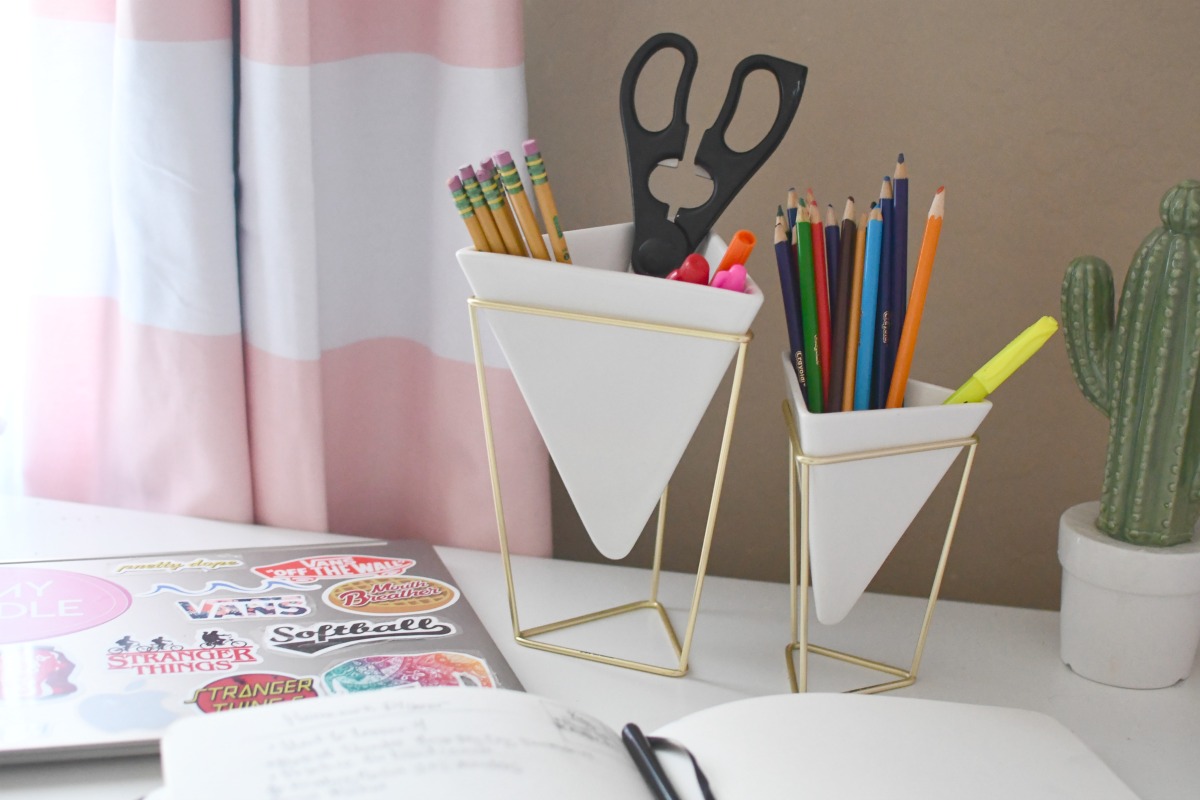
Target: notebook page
[(491, 743)]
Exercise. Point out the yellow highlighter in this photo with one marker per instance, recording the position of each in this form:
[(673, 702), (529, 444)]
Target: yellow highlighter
[(1005, 363)]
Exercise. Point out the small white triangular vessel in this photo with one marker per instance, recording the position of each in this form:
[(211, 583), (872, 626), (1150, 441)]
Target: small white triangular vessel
[(616, 406), (859, 509)]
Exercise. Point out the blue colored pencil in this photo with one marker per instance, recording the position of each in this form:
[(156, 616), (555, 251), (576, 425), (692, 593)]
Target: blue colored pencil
[(791, 301), (867, 326), (885, 350), (793, 206)]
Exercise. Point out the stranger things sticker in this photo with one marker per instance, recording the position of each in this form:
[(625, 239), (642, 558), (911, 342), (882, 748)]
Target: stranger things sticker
[(439, 668), (247, 689), (391, 596), (234, 608), (213, 651), (315, 568), (315, 639)]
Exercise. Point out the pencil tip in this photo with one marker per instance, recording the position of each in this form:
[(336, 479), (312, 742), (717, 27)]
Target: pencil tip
[(941, 189), (887, 178), (900, 158)]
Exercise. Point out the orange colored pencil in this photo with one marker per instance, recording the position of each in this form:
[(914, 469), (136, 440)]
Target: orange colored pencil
[(856, 284), (916, 301)]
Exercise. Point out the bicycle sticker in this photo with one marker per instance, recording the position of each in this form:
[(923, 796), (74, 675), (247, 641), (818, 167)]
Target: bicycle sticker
[(214, 651)]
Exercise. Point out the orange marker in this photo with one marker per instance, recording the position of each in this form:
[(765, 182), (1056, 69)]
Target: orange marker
[(738, 251), (916, 301)]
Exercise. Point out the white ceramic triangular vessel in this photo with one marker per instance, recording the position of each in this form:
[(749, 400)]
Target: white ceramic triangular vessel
[(858, 510), (616, 406)]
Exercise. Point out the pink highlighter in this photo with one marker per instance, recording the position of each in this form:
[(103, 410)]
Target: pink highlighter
[(733, 279)]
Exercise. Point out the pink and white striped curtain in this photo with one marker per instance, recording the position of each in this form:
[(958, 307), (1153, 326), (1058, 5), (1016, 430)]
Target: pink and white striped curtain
[(248, 306)]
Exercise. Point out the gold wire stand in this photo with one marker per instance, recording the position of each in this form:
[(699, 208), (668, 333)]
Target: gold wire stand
[(527, 636), (799, 474)]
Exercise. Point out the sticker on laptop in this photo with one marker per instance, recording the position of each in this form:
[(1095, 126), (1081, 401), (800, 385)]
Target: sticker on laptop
[(34, 672), (439, 668), (235, 608), (213, 651), (210, 587), (391, 596), (171, 565), (315, 568), (311, 640), (247, 689), (39, 604)]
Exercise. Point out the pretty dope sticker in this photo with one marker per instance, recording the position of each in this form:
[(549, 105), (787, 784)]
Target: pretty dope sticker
[(38, 603), (391, 596)]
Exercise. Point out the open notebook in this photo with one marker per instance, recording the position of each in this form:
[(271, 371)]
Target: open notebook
[(455, 742)]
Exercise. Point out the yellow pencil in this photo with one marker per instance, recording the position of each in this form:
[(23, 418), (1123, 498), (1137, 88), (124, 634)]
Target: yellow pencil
[(493, 192), (516, 194), (463, 203), (471, 184), (545, 197)]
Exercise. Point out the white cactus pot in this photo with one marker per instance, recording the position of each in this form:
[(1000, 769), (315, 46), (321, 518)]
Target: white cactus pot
[(1130, 615)]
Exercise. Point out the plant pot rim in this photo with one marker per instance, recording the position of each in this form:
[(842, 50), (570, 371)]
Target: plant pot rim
[(1092, 556)]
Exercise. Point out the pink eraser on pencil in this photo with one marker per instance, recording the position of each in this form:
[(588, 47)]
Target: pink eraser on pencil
[(503, 158), (486, 166), (454, 183), (531, 146), (467, 173)]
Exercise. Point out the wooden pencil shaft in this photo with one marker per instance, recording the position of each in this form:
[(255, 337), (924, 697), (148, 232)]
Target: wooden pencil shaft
[(545, 197), (467, 212), (494, 194), (916, 305), (490, 231), (529, 226)]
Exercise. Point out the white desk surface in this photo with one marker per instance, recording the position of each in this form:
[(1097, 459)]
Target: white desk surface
[(975, 653)]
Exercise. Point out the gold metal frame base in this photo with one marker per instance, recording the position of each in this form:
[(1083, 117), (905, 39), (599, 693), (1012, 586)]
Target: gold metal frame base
[(799, 467), (527, 637)]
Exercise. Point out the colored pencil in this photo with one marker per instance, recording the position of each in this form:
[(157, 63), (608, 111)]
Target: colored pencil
[(900, 245), (870, 296), (506, 213), (470, 184), (832, 248), (520, 201), (791, 300), (494, 194), (793, 205), (821, 279), (467, 212), (536, 167), (840, 311), (884, 349), (809, 312), (856, 283), (916, 303)]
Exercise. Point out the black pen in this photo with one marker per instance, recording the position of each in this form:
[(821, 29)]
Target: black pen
[(647, 763)]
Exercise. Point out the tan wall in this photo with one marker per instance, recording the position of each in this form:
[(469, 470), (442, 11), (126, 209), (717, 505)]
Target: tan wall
[(1056, 127)]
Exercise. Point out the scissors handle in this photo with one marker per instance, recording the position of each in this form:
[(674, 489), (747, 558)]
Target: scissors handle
[(731, 169), (659, 245)]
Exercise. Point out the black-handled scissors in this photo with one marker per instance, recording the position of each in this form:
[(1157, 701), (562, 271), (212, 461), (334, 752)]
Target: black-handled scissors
[(660, 244)]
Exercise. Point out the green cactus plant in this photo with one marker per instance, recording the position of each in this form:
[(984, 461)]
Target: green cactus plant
[(1141, 370)]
